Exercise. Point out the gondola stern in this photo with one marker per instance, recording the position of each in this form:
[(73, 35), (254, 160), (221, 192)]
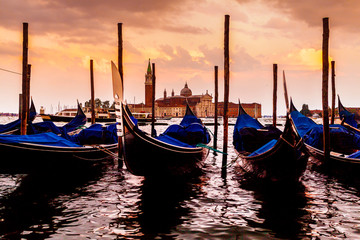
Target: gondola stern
[(341, 107), (292, 106), (188, 111), (241, 110)]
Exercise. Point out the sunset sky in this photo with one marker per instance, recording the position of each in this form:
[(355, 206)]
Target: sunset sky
[(185, 41)]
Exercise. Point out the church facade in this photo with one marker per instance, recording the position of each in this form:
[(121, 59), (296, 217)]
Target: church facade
[(174, 105)]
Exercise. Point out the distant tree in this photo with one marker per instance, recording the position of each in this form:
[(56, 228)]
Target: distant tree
[(87, 104), (112, 105), (305, 110), (106, 104), (99, 103)]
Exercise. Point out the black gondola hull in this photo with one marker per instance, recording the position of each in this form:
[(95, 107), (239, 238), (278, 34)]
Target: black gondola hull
[(337, 162), (32, 156), (147, 156), (55, 118), (280, 164), (285, 162)]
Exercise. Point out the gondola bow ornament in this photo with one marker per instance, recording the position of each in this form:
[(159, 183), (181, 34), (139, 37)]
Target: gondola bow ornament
[(118, 94)]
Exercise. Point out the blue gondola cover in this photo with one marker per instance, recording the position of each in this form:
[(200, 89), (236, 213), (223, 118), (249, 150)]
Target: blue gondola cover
[(95, 134), (48, 139), (303, 124), (264, 148), (349, 118)]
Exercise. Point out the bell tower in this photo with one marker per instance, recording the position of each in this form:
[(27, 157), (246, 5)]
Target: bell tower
[(148, 86)]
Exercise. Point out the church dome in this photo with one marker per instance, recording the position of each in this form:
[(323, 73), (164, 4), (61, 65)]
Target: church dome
[(185, 92)]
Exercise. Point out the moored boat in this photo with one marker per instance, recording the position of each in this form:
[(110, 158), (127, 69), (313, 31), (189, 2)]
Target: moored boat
[(14, 126), (347, 118), (49, 145), (67, 115), (344, 144), (267, 153), (174, 153), (145, 155)]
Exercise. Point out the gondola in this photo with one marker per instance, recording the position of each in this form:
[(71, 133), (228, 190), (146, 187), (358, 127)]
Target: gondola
[(348, 119), (74, 124), (149, 156), (266, 153), (51, 145), (14, 126), (345, 144)]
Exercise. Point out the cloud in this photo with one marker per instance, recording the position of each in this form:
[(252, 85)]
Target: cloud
[(90, 20), (342, 14)]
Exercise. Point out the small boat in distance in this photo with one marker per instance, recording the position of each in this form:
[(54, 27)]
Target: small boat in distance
[(142, 116), (66, 115)]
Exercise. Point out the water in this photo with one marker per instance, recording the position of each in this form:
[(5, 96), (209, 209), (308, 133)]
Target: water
[(104, 203)]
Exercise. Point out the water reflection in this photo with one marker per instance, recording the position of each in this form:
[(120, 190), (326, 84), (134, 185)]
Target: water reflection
[(29, 210), (334, 207), (346, 173), (282, 208), (160, 207)]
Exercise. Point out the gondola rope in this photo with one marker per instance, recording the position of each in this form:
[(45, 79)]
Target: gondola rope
[(106, 151), (231, 163), (208, 129), (208, 147)]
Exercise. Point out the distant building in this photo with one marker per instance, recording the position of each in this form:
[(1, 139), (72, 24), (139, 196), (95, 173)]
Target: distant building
[(253, 109), (175, 105), (148, 86)]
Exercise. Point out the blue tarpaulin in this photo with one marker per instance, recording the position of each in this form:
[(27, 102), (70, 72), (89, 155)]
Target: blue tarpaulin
[(243, 121), (95, 134), (16, 124), (48, 139), (354, 155), (189, 119), (264, 148), (190, 131), (173, 141), (48, 126), (303, 124), (341, 139), (349, 118), (192, 134), (10, 126)]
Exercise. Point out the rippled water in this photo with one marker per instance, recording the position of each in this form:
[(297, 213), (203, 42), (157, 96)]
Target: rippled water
[(103, 202)]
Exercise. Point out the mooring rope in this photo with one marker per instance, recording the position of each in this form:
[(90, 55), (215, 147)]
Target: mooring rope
[(5, 70), (231, 163), (107, 151), (208, 129), (208, 147)]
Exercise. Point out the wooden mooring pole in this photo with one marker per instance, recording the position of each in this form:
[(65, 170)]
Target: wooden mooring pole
[(333, 92), (121, 72), (92, 101), (226, 93), (286, 93), (153, 134), (120, 52), (25, 82), (216, 68), (275, 70), (325, 88)]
